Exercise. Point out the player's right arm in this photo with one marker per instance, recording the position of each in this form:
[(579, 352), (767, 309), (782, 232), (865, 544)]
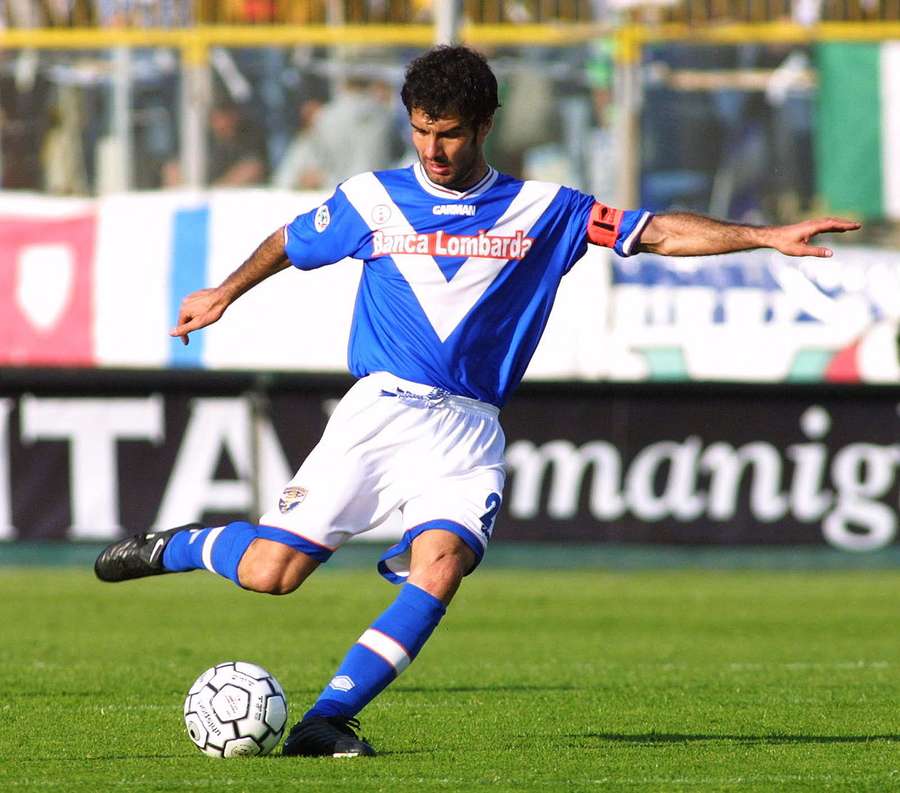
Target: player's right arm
[(206, 306)]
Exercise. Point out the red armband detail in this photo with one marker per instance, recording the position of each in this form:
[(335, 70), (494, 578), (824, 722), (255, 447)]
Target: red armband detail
[(603, 225)]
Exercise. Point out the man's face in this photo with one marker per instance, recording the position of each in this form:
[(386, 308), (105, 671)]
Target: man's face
[(449, 149), (223, 122)]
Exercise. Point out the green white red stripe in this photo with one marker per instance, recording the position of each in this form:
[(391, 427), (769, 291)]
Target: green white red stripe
[(890, 127), (858, 128)]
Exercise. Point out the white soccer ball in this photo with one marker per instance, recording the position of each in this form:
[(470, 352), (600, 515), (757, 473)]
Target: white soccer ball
[(235, 709)]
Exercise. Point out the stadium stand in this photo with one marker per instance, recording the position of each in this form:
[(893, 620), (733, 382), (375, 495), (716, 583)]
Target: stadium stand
[(181, 13)]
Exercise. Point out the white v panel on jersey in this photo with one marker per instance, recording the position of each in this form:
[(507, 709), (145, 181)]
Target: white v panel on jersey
[(446, 302)]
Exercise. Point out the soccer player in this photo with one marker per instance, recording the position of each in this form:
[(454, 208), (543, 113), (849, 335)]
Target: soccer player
[(462, 264)]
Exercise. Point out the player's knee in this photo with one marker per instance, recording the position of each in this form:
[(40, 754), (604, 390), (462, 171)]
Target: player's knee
[(439, 562), (274, 569)]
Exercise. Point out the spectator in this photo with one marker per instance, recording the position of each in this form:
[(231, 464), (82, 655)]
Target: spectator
[(299, 169), (23, 127), (237, 151), (531, 118), (354, 132), (62, 154), (144, 13)]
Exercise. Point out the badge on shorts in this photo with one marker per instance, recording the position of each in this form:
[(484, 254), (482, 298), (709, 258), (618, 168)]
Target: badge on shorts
[(290, 497)]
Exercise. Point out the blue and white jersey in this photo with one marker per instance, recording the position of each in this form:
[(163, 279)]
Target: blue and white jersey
[(456, 287)]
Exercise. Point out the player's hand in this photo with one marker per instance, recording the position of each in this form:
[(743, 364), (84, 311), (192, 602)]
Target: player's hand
[(795, 240), (199, 309)]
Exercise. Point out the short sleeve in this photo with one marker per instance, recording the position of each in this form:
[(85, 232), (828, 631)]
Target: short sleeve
[(617, 229), (633, 224), (325, 235)]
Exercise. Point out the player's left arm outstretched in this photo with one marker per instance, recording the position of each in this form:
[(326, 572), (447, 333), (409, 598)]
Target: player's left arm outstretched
[(687, 234)]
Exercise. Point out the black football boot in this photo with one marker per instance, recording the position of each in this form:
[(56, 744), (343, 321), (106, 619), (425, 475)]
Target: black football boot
[(319, 736), (136, 556)]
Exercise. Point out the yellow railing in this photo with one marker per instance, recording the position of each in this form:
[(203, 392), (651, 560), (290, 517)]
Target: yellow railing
[(200, 38), (765, 32)]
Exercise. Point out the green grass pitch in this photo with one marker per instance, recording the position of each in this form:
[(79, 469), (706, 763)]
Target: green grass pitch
[(584, 680)]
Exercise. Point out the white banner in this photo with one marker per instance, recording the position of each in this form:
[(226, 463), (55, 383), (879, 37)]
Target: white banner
[(98, 283)]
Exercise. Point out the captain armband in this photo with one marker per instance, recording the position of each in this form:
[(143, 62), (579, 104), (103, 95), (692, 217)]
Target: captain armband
[(603, 225)]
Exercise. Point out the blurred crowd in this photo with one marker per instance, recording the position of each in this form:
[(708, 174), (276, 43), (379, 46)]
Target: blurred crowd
[(96, 13), (298, 119), (726, 130), (181, 13), (294, 119), (730, 131)]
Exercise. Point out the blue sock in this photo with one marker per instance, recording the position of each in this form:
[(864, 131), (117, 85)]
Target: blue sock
[(381, 653), (218, 550)]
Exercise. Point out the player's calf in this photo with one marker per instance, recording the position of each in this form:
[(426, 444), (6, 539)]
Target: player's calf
[(272, 568), (260, 558)]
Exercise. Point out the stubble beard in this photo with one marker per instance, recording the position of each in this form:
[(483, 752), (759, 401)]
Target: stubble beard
[(462, 176)]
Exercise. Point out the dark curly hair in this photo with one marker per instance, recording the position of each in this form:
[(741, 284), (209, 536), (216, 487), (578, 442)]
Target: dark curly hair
[(451, 81)]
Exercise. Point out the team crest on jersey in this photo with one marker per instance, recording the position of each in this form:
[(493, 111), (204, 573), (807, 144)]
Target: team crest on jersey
[(381, 214), (322, 219), (290, 497)]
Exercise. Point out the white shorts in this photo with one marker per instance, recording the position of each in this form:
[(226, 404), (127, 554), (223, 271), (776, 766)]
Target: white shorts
[(396, 446)]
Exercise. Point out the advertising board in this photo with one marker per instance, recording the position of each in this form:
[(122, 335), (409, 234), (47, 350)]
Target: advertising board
[(712, 466)]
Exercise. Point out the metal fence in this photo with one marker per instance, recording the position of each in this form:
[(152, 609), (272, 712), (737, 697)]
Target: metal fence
[(119, 95)]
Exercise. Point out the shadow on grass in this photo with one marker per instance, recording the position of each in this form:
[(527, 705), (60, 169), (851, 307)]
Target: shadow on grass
[(660, 738), (94, 758), (326, 760)]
